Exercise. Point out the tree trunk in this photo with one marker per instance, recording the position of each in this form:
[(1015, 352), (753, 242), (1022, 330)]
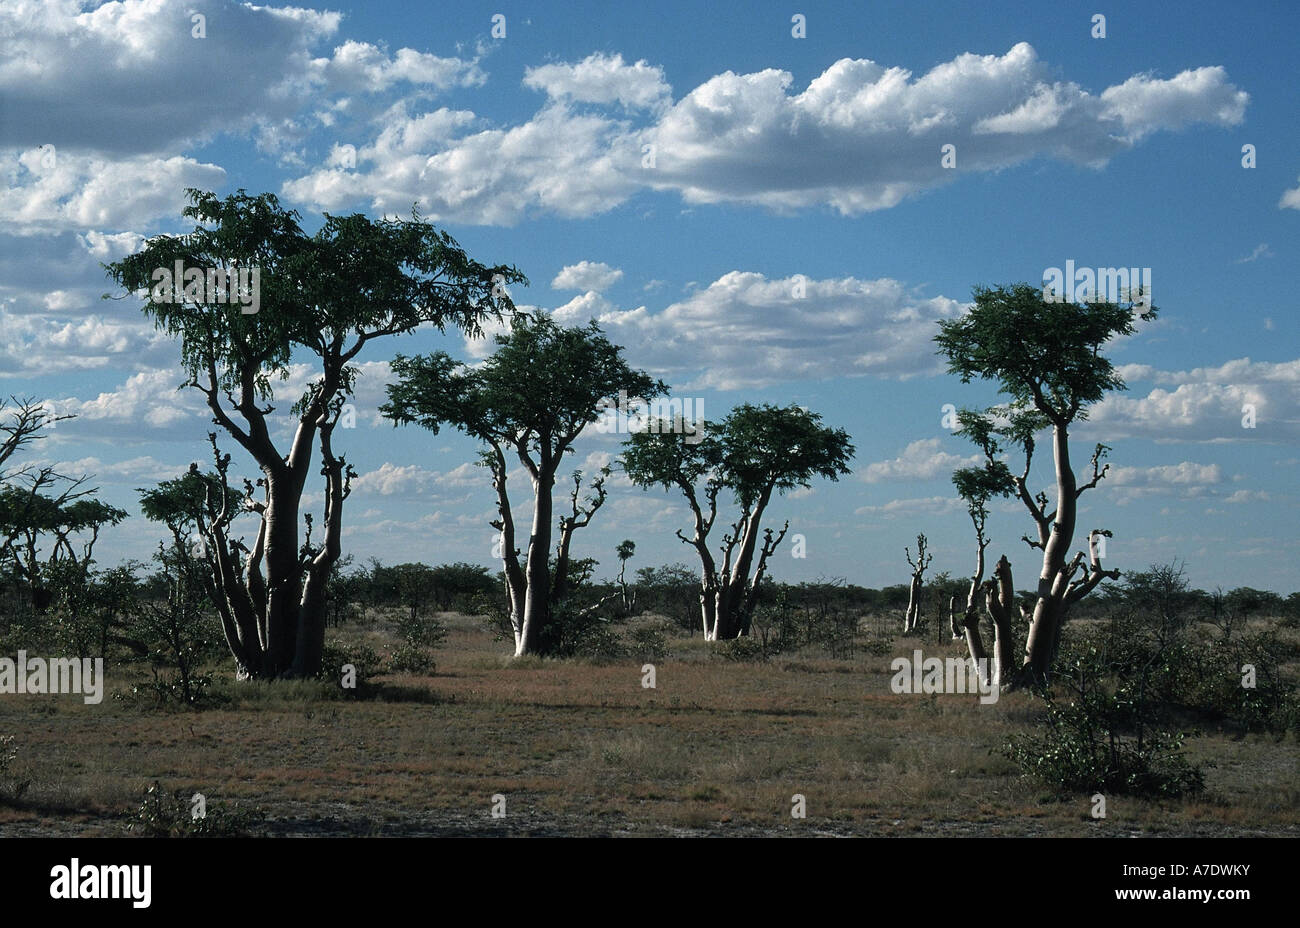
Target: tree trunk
[(913, 617), (537, 596), (282, 578), (1049, 608)]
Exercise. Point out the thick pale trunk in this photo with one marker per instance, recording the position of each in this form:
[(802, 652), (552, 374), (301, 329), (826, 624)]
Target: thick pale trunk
[(1049, 608), (282, 579), (537, 596), (709, 611), (913, 616)]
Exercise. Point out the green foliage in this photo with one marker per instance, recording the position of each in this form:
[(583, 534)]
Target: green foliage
[(672, 591), (411, 659), (418, 635), (578, 631), (89, 610), (1106, 729), (12, 787), (649, 643), (354, 275), (171, 815), (754, 451), (177, 629), (744, 650), (538, 390), (1044, 354), (1153, 631), (1083, 751), (338, 653)]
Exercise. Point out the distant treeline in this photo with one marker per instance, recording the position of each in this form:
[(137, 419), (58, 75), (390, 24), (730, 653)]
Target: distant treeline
[(673, 592)]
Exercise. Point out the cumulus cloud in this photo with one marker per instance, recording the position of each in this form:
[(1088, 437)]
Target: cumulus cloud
[(1290, 199), (861, 136), (928, 505), (407, 480), (137, 80), (132, 472), (1240, 400), (1186, 474), (39, 345), (147, 404), (748, 330), (91, 193), (568, 164), (602, 78), (593, 276), (920, 460), (359, 67)]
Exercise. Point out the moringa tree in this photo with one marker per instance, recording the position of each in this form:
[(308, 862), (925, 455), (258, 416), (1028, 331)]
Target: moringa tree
[(322, 297), (626, 548), (1046, 356), (754, 452), (978, 486), (912, 617), (530, 400)]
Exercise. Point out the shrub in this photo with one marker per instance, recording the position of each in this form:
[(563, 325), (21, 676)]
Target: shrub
[(172, 815), (743, 650), (1105, 732), (11, 787), (337, 653), (649, 644), (411, 659)]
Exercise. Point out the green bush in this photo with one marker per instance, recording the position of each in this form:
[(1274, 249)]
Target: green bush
[(412, 659), (171, 815), (11, 787), (337, 654), (1105, 732), (743, 650), (649, 644)]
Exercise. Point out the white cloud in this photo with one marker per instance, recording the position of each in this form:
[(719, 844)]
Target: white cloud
[(408, 480), (1248, 496), (920, 460), (1145, 104), (1290, 199), (586, 275), (1210, 404), (747, 330), (359, 67), (40, 344), (133, 472), (859, 137), (602, 78), (130, 77), (929, 505), (1184, 474), (392, 479), (93, 193), (1261, 251), (148, 400)]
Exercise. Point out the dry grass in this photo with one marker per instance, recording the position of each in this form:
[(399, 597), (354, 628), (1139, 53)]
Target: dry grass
[(582, 748)]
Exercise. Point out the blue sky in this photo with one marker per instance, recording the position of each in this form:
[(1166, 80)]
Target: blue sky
[(777, 162)]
